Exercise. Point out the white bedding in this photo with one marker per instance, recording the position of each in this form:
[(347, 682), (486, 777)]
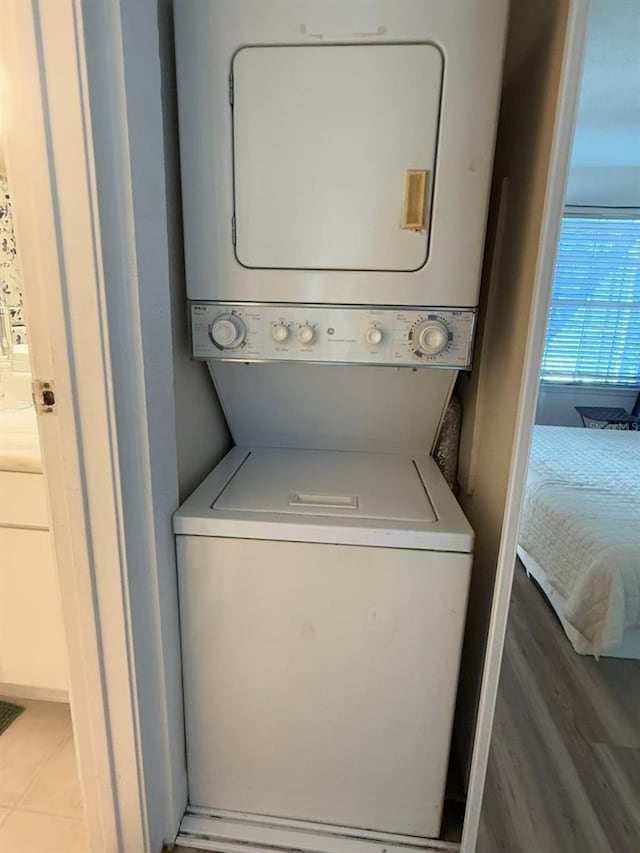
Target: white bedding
[(581, 523)]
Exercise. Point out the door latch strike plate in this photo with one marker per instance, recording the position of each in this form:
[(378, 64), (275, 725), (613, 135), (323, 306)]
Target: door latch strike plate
[(44, 396)]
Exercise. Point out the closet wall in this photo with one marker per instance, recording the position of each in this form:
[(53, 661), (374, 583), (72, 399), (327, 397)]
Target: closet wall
[(497, 421), (202, 437)]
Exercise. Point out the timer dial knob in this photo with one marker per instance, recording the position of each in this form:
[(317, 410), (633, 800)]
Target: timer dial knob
[(373, 336), (430, 337), (280, 332), (228, 331), (306, 334)]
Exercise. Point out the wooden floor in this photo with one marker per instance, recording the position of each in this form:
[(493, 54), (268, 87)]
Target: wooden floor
[(564, 771)]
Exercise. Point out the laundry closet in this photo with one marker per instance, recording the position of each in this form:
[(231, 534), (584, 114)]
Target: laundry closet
[(335, 188), (368, 196)]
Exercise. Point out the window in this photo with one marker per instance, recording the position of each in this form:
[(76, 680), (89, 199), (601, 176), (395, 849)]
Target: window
[(593, 334)]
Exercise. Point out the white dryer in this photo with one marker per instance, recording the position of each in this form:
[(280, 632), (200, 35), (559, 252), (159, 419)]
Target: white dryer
[(337, 153), (323, 598)]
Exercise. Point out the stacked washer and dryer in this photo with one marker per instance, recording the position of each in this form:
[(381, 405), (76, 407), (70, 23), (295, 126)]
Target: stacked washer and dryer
[(336, 161)]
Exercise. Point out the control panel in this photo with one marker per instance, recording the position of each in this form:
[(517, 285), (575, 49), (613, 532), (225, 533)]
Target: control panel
[(428, 337)]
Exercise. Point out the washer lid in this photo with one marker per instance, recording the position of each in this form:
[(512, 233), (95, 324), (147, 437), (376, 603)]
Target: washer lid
[(376, 487)]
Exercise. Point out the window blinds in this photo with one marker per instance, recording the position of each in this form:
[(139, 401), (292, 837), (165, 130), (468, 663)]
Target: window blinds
[(593, 333)]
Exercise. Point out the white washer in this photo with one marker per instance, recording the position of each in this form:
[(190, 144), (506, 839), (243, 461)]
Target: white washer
[(323, 598)]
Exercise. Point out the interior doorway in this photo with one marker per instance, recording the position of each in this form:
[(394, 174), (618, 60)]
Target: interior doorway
[(564, 765)]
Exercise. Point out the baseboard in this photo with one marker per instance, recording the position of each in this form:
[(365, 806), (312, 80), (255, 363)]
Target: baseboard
[(44, 694), (236, 832)]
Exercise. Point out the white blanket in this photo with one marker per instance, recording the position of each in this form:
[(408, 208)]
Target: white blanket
[(581, 523)]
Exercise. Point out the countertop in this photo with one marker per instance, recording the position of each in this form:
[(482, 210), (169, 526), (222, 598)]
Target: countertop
[(19, 442)]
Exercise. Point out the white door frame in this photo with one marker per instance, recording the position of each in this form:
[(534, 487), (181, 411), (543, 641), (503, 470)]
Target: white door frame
[(95, 269), (95, 275)]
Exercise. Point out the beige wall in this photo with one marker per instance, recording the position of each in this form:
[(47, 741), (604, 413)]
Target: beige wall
[(491, 393)]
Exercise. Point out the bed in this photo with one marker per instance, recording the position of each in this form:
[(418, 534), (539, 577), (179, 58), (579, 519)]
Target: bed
[(580, 534)]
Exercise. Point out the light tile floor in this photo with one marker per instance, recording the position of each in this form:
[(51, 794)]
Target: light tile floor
[(40, 800)]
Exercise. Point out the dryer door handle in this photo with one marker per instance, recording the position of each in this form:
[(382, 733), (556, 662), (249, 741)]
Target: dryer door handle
[(415, 193)]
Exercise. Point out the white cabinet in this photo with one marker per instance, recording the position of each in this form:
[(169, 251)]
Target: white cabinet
[(23, 501), (32, 645)]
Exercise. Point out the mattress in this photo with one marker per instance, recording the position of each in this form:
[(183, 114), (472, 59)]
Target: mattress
[(581, 523)]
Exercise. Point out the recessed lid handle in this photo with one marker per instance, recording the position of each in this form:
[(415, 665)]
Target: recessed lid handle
[(324, 501)]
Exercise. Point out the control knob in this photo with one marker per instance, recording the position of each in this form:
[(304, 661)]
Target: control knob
[(373, 336), (306, 334), (280, 333), (429, 337), (228, 331)]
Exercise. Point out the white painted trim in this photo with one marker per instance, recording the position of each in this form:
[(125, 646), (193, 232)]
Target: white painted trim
[(124, 82), (589, 387), (554, 203), (107, 526), (33, 176), (43, 694), (602, 211)]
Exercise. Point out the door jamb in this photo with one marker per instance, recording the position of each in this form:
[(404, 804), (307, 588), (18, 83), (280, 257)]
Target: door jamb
[(542, 284), (103, 516)]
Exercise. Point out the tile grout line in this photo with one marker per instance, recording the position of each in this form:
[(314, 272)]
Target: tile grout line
[(24, 810), (35, 778), (39, 766)]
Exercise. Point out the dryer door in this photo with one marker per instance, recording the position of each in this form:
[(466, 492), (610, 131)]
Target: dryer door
[(334, 155)]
